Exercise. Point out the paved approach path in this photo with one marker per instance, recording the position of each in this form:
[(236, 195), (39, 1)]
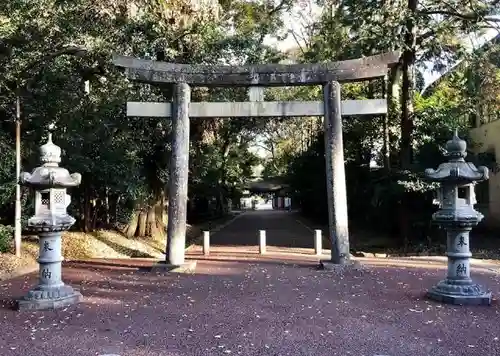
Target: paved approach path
[(284, 232), (282, 229), (289, 239)]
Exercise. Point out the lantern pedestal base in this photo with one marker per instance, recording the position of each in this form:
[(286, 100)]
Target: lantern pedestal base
[(450, 293), (56, 298), (328, 265), (163, 266)]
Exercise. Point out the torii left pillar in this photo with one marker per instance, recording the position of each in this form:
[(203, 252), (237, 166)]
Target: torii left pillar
[(335, 179), (178, 180)]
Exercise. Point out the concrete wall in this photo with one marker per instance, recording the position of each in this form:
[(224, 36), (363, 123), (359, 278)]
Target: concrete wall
[(487, 138)]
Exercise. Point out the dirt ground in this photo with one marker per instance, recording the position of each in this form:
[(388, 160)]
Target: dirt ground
[(239, 302), (250, 307)]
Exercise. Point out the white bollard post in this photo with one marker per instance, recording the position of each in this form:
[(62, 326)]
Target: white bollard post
[(318, 243), (206, 243), (262, 242)]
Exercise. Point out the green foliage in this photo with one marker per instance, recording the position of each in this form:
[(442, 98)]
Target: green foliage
[(7, 178), (124, 161), (6, 235), (377, 196), (307, 178)]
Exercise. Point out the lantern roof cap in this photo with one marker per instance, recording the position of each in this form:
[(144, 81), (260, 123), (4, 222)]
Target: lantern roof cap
[(49, 174), (456, 170)]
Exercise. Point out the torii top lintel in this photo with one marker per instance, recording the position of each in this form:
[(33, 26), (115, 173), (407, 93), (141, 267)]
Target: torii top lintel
[(150, 71)]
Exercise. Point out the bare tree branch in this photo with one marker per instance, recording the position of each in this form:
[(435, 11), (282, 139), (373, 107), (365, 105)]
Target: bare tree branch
[(467, 17), (297, 42)]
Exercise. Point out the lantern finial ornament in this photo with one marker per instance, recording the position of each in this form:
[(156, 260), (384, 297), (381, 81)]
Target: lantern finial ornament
[(457, 216), (49, 181), (50, 154), (456, 148)]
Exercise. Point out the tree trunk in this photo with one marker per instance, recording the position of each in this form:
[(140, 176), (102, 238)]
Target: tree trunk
[(107, 219), (386, 148), (160, 209), (97, 209), (164, 207), (218, 203), (151, 229), (393, 113), (113, 204), (155, 226), (148, 220), (407, 113), (142, 225), (404, 222), (131, 227), (87, 210)]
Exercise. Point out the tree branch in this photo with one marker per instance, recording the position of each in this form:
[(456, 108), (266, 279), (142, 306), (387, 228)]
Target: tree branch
[(264, 147), (297, 42), (466, 17)]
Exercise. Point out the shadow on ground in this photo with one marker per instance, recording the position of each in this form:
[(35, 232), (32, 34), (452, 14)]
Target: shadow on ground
[(251, 308), (122, 249)]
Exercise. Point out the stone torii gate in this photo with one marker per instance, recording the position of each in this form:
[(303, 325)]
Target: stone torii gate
[(329, 75)]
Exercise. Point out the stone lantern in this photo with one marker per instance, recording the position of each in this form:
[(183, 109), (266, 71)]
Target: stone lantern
[(457, 216), (49, 181)]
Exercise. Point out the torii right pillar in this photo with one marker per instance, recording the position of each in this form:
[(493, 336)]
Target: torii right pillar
[(457, 216)]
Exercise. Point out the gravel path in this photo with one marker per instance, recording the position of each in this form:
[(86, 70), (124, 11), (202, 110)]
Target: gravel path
[(251, 305), (250, 308)]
